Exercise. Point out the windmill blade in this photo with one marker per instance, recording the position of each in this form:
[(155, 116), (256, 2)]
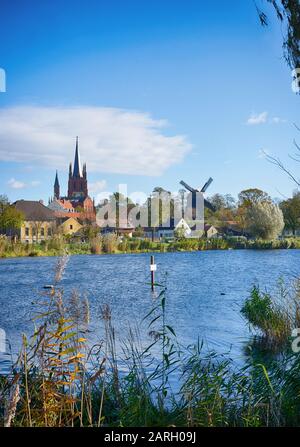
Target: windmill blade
[(189, 188), (209, 181), (208, 205)]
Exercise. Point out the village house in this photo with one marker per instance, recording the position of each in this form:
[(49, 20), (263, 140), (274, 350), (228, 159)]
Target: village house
[(210, 231), (167, 231), (68, 225), (39, 222)]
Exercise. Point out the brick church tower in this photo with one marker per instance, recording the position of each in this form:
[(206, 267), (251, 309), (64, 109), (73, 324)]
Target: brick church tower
[(77, 185), (77, 204)]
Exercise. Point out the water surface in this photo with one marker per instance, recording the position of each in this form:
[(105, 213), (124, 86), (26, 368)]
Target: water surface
[(205, 291)]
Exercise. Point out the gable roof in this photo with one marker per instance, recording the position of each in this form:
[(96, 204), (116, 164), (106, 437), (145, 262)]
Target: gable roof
[(62, 220), (34, 210), (208, 227)]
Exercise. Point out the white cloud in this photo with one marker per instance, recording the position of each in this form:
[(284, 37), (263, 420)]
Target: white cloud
[(255, 119), (110, 140), (96, 187), (277, 120), (262, 118), (16, 184)]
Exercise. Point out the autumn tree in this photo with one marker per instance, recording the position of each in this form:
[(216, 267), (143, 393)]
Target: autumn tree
[(291, 212), (252, 196), (247, 199), (264, 220)]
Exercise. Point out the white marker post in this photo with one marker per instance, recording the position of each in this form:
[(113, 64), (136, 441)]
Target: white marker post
[(152, 270)]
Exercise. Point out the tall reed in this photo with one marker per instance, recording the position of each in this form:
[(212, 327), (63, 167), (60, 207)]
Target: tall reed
[(61, 379)]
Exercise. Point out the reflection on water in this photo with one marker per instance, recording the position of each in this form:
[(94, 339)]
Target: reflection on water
[(205, 291)]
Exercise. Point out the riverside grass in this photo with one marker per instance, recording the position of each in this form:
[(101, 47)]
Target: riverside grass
[(273, 316), (60, 380), (110, 244)]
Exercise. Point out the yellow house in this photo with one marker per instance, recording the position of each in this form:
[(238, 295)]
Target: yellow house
[(68, 225), (39, 222)]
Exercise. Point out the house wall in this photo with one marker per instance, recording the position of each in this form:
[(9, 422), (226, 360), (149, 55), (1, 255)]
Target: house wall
[(36, 231), (70, 226), (212, 232)]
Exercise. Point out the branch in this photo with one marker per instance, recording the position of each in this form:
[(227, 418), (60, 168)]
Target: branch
[(277, 162), (298, 128)]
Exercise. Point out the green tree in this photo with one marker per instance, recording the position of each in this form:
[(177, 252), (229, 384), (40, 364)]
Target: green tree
[(10, 217), (4, 202)]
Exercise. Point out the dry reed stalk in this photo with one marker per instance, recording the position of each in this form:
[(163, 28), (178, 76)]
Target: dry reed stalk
[(11, 407), (60, 268)]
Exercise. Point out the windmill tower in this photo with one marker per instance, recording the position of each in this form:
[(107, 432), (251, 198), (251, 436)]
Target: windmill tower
[(194, 192)]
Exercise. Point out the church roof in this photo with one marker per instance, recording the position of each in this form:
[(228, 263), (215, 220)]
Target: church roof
[(66, 203)]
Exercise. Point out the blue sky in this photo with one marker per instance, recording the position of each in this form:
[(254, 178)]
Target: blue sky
[(157, 91)]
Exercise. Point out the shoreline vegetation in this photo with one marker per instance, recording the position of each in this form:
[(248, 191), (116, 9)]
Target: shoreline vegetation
[(59, 380), (111, 244)]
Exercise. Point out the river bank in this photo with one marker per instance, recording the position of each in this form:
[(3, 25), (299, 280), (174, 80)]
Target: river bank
[(57, 247)]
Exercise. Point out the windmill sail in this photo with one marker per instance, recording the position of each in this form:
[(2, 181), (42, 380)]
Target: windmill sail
[(189, 188), (209, 181), (207, 204)]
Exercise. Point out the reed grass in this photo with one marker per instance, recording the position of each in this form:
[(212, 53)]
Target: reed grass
[(274, 316), (61, 380), (110, 243)]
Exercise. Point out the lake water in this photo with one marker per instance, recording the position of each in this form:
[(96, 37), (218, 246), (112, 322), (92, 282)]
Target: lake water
[(205, 291)]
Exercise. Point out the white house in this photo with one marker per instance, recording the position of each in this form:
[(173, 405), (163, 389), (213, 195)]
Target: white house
[(183, 227)]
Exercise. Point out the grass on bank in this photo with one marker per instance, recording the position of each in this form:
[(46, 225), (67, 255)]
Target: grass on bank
[(110, 244), (274, 316), (59, 379)]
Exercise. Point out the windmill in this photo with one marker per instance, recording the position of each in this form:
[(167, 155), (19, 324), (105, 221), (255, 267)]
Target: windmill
[(194, 192)]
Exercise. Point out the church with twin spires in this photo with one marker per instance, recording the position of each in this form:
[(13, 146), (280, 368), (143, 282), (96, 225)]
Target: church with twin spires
[(77, 203)]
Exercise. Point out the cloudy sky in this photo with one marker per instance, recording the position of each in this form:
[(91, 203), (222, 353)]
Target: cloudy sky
[(156, 91)]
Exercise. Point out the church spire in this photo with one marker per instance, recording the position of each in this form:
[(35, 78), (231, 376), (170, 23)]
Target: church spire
[(77, 185), (56, 187), (77, 166)]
